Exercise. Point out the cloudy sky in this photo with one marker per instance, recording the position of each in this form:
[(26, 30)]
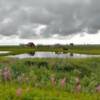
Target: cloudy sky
[(50, 21)]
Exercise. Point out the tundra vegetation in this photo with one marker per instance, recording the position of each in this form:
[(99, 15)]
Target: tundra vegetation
[(50, 79), (82, 49)]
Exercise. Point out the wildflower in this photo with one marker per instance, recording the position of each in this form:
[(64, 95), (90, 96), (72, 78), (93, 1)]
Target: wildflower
[(6, 74), (63, 81), (78, 88), (78, 85), (53, 81), (98, 88), (19, 92)]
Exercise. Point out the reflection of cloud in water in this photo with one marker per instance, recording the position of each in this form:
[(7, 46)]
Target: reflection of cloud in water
[(53, 55)]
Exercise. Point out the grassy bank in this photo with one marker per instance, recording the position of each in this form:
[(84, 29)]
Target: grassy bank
[(32, 78), (82, 49)]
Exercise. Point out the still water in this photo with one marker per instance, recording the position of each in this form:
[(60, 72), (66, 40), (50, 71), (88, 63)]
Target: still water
[(52, 55)]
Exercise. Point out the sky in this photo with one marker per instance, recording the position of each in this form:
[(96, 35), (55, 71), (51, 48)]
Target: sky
[(49, 21)]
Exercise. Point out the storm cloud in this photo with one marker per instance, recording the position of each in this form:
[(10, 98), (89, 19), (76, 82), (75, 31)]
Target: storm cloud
[(48, 18)]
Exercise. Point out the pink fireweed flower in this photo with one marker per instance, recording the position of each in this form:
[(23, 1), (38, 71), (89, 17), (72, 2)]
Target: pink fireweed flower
[(6, 74), (98, 88), (63, 81), (78, 85), (53, 81), (78, 88), (19, 92)]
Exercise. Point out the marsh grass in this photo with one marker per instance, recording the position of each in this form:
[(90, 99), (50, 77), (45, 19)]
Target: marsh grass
[(81, 49), (36, 75)]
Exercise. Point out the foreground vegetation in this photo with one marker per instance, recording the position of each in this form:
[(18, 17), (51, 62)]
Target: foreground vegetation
[(31, 93), (49, 79)]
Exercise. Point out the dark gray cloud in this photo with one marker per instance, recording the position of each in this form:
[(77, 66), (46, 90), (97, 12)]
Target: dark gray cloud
[(45, 18)]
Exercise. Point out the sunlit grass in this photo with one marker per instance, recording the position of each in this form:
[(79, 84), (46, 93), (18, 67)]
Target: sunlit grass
[(8, 92)]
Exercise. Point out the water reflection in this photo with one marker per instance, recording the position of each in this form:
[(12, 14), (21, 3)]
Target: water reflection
[(31, 53), (71, 54), (52, 55)]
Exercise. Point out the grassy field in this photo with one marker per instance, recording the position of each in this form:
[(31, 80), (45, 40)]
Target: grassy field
[(82, 49), (41, 79), (50, 79)]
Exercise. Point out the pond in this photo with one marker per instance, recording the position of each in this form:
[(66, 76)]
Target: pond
[(52, 55)]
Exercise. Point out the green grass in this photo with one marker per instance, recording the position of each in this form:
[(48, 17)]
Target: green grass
[(7, 92), (35, 75), (36, 78), (82, 49)]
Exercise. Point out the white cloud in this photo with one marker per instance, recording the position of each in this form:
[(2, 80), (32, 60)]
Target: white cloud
[(7, 21), (77, 39), (86, 39), (40, 29), (53, 19)]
